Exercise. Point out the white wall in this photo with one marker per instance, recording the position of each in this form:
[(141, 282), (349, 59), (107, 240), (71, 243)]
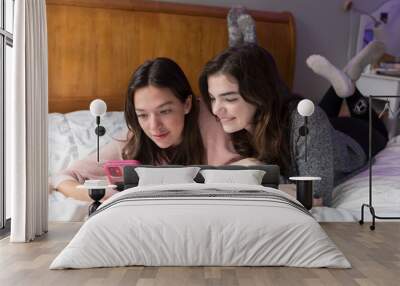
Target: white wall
[(322, 28)]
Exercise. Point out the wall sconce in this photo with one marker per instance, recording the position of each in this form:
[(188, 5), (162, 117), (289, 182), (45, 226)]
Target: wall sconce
[(304, 185), (98, 108), (305, 108)]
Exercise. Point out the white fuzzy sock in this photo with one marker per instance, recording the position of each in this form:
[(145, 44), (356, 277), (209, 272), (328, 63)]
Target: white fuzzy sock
[(235, 36), (340, 82), (370, 54)]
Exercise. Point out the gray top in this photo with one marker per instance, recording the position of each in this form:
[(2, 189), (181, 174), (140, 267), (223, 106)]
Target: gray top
[(332, 155)]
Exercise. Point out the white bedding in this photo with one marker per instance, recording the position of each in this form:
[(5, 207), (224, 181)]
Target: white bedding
[(71, 138), (62, 208), (183, 230), (350, 195)]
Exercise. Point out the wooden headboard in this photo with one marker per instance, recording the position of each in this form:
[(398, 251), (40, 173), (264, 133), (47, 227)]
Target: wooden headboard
[(95, 45)]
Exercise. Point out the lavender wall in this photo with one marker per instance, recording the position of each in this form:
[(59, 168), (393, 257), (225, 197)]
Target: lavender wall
[(322, 28)]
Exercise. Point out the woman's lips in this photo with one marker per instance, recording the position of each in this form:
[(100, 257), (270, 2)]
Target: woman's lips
[(161, 136), (226, 119)]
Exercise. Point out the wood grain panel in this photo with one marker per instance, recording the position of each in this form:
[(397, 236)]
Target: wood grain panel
[(94, 46)]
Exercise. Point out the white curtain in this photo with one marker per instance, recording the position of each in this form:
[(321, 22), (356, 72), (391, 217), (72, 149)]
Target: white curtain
[(26, 127)]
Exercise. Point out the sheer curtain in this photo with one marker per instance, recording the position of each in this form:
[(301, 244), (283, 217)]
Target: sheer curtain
[(26, 121)]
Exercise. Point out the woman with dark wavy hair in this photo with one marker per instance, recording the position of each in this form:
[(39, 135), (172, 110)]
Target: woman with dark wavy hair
[(242, 88), (162, 112), (246, 79), (166, 125)]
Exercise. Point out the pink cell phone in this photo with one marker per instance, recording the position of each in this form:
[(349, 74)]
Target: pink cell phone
[(115, 170)]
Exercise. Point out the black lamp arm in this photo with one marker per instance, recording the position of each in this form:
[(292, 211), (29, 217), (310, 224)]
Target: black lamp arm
[(303, 131), (100, 131)]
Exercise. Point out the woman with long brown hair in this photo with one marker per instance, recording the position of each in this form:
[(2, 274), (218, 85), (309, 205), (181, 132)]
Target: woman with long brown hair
[(162, 112), (242, 88)]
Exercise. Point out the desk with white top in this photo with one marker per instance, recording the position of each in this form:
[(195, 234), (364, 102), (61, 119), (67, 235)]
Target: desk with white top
[(375, 84)]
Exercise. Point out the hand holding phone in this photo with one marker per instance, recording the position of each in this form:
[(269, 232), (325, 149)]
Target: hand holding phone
[(115, 170)]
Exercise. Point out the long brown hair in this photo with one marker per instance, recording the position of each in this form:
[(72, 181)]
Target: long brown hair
[(259, 84), (163, 73)]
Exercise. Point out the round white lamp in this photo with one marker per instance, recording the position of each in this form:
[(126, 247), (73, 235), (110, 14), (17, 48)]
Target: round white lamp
[(98, 107), (305, 108)]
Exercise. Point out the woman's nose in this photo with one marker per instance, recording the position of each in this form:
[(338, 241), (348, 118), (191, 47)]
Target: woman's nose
[(155, 123), (217, 107)]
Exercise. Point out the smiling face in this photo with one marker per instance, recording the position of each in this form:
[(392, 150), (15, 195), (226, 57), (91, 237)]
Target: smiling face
[(228, 105), (161, 115)]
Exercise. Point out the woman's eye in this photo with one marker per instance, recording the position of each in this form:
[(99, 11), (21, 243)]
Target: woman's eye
[(141, 116), (231, 99), (212, 99), (165, 111)]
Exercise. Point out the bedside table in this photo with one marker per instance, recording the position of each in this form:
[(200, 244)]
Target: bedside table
[(304, 189), (375, 84)]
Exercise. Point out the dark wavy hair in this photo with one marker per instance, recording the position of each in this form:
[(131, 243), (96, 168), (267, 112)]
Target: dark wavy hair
[(259, 83), (163, 73)]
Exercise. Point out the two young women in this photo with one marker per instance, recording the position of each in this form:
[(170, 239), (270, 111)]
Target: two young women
[(242, 88), (167, 125)]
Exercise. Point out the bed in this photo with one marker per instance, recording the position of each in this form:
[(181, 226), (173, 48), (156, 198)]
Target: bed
[(132, 230), (112, 236), (229, 218)]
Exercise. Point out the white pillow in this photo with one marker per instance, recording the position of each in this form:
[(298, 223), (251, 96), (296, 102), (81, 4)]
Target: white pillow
[(248, 177), (163, 176)]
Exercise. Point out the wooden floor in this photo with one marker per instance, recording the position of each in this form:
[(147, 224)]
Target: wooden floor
[(374, 255)]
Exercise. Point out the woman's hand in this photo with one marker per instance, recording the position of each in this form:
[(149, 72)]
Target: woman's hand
[(69, 189)]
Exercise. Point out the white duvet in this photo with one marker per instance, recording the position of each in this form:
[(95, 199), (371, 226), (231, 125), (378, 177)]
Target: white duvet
[(253, 229), (354, 192)]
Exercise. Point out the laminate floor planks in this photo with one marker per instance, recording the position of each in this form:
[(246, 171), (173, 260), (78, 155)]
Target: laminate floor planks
[(374, 255)]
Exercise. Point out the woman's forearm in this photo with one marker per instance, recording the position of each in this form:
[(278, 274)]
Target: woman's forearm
[(69, 189)]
